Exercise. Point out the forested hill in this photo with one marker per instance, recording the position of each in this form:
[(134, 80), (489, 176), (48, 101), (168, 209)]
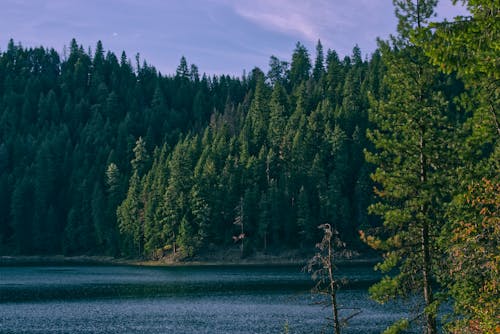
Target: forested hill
[(99, 156), (64, 121), (78, 135)]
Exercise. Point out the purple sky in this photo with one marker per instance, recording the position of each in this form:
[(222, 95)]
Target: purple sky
[(220, 36)]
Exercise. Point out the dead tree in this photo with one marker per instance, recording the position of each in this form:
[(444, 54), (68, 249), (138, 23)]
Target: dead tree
[(322, 270)]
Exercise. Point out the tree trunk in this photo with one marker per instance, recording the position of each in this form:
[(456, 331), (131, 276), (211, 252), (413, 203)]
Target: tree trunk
[(333, 290), (336, 324), (430, 318)]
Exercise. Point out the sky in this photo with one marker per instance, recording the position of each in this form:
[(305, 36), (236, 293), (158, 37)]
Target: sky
[(219, 36)]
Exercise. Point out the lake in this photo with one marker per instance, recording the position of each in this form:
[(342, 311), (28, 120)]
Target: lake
[(183, 299)]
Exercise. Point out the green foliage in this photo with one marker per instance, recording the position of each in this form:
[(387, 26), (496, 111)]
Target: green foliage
[(391, 260), (415, 151), (300, 66), (117, 159), (141, 157), (468, 47), (185, 239), (101, 157), (286, 161), (286, 328), (386, 289), (129, 217), (64, 122), (398, 327), (472, 248)]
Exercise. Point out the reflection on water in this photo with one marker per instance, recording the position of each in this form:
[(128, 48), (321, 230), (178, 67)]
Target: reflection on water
[(177, 300)]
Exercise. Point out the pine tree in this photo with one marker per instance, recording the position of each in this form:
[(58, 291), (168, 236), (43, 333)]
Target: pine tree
[(414, 153), (174, 206), (129, 217), (185, 238), (278, 71), (278, 113), (319, 67), (301, 65), (256, 122), (113, 195), (152, 192), (130, 213), (141, 157), (334, 78), (182, 70)]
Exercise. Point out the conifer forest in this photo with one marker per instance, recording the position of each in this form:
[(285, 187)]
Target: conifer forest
[(101, 154)]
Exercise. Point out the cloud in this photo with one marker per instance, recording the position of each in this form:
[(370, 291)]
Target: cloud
[(291, 17), (338, 24)]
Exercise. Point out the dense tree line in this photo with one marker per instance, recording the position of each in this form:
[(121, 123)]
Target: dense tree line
[(103, 157), (265, 172), (68, 127)]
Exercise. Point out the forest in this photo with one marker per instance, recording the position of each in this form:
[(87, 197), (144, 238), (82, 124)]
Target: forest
[(398, 151), (102, 157)]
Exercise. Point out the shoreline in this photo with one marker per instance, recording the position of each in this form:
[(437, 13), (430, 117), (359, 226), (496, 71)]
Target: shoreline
[(61, 260)]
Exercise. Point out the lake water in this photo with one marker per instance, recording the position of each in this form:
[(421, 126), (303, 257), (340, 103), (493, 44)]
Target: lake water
[(193, 299)]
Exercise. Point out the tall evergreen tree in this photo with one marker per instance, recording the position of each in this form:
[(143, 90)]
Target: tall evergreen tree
[(130, 213), (319, 66), (129, 217), (278, 71), (414, 150), (301, 65)]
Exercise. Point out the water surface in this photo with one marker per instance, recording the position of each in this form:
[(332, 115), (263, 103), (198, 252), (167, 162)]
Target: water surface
[(205, 299)]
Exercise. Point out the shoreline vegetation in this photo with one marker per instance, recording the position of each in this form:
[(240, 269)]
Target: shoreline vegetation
[(226, 259)]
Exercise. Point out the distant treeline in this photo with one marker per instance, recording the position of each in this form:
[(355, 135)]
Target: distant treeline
[(98, 156)]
